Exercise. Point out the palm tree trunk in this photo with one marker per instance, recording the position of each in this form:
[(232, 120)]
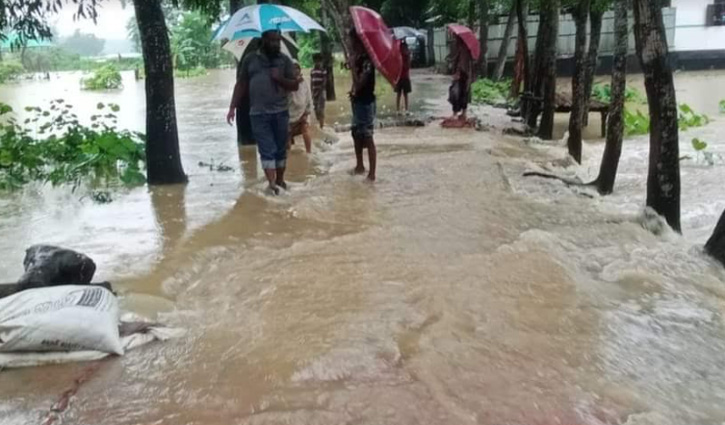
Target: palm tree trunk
[(163, 159), (615, 125), (521, 67), (505, 42), (663, 181), (716, 244), (328, 60)]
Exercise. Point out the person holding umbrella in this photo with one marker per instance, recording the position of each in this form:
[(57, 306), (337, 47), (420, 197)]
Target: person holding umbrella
[(465, 51), (362, 96), (268, 77)]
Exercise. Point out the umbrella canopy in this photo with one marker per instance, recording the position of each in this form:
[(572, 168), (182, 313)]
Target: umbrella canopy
[(252, 21), (468, 37), (239, 47), (381, 45)]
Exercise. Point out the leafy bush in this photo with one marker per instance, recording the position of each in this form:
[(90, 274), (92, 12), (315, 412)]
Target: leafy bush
[(490, 92), (309, 44), (54, 147), (688, 118), (106, 77), (635, 123), (10, 71), (722, 106), (603, 93)]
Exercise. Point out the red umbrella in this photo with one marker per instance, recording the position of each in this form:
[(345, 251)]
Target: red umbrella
[(468, 37), (383, 48)]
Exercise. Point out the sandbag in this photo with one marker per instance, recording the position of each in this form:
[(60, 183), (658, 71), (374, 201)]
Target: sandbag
[(47, 265), (60, 318)]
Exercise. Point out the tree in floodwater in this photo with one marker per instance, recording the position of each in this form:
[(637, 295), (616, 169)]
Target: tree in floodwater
[(548, 68), (615, 124), (596, 16), (663, 180), (716, 244), (580, 12), (522, 73), (483, 16), (162, 138)]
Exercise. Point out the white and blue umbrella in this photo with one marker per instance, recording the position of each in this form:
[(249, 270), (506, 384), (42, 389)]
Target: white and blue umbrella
[(252, 21)]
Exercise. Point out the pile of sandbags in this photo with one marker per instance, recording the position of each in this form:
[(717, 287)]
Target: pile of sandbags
[(56, 315)]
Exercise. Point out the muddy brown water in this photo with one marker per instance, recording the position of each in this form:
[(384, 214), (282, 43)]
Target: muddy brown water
[(450, 292)]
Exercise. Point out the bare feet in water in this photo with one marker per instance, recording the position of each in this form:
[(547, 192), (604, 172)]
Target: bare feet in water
[(357, 171), (371, 178)]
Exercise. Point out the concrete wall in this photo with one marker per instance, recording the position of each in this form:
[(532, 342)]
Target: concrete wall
[(567, 31), (692, 34)]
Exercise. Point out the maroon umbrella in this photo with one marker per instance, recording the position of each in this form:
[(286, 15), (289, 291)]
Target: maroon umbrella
[(381, 45), (468, 37)]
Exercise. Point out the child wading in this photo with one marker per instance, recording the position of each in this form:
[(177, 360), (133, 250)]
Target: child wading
[(300, 108), (403, 88), (362, 97), (318, 80)]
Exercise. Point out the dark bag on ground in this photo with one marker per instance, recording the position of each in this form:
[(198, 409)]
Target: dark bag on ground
[(47, 265)]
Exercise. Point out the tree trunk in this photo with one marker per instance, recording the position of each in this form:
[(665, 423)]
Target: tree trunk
[(716, 244), (546, 129), (535, 94), (472, 14), (483, 10), (163, 160), (595, 19), (339, 11), (327, 58), (663, 181), (521, 67), (505, 42), (578, 85), (615, 125), (234, 5)]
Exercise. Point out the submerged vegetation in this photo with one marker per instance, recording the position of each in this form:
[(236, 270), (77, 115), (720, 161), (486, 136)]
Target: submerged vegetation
[(489, 92), (54, 147), (105, 78)]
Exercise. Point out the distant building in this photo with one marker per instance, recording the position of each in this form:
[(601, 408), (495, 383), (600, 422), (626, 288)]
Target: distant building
[(699, 34)]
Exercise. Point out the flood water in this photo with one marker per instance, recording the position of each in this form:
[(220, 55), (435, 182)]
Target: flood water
[(453, 291)]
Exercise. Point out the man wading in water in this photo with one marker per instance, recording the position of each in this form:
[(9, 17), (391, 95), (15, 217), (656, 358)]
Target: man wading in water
[(268, 77), (362, 97)]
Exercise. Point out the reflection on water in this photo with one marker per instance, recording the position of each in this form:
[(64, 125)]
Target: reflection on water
[(452, 291)]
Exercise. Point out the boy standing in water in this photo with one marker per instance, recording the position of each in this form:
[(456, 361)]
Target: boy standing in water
[(362, 97), (318, 79), (403, 88)]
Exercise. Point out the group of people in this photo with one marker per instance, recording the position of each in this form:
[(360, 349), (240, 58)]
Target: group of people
[(281, 102)]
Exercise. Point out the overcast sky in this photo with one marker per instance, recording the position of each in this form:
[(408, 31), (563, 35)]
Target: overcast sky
[(111, 22)]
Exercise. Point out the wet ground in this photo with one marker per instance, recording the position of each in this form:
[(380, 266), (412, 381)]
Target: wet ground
[(453, 291)]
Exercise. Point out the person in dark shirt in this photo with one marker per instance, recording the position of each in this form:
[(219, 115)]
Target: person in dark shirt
[(318, 80), (403, 88), (267, 77), (362, 97), (460, 91)]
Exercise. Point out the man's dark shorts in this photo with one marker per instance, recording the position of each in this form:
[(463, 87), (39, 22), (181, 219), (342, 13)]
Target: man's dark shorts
[(363, 120), (270, 132)]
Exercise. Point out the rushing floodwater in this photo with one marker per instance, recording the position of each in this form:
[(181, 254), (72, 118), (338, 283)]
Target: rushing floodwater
[(453, 291)]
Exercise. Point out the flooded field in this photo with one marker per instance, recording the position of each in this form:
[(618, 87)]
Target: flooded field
[(453, 291)]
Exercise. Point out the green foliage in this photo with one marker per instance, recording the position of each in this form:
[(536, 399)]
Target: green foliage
[(688, 118), (635, 123), (10, 71), (700, 147), (105, 78), (603, 93), (191, 43), (54, 147), (309, 45), (490, 92), (722, 106), (59, 59)]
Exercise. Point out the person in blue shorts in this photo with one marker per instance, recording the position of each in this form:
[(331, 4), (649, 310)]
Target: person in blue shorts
[(362, 97), (268, 77)]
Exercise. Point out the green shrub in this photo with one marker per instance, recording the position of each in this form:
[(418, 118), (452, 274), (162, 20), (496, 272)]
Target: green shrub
[(10, 70), (603, 93), (106, 77), (490, 92), (54, 147)]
